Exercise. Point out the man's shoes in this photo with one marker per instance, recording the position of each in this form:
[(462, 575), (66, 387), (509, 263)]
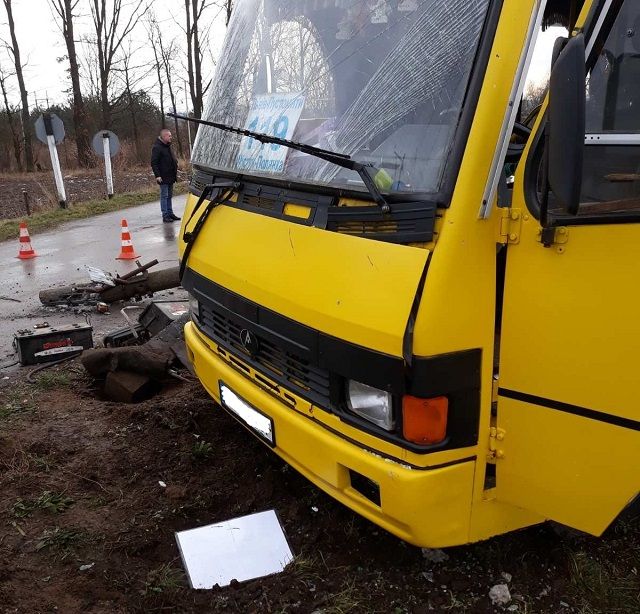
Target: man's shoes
[(168, 220), (174, 217)]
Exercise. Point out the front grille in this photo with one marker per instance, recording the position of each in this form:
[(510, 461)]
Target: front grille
[(368, 228), (259, 202), (283, 367), (199, 180), (407, 223)]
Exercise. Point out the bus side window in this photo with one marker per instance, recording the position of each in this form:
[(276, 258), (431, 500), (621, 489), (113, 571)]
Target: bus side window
[(611, 182)]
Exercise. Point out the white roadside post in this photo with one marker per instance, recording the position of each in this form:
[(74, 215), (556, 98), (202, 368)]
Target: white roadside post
[(50, 131), (57, 172), (107, 163), (106, 144)]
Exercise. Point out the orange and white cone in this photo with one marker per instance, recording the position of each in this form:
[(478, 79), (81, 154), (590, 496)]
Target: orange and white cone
[(26, 251), (126, 251)]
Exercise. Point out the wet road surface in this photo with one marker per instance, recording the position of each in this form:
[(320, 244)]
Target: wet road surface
[(63, 254)]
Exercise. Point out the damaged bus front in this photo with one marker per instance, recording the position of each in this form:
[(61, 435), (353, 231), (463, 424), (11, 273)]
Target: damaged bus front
[(344, 286)]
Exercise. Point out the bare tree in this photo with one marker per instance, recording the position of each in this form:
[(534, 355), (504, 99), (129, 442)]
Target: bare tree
[(89, 70), (113, 22), (155, 39), (196, 43), (131, 76), (533, 97), (9, 112), (227, 5), (64, 10), (26, 120), (168, 55)]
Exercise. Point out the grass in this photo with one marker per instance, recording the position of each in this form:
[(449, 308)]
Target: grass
[(41, 462), (60, 541), (163, 578), (46, 220), (55, 503), (52, 379), (346, 600), (15, 402), (201, 450), (606, 581)]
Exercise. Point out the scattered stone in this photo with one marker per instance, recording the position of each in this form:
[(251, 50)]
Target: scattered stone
[(507, 577), (86, 567), (499, 594), (435, 555), (564, 604), (428, 575), (162, 484), (314, 509), (513, 608)]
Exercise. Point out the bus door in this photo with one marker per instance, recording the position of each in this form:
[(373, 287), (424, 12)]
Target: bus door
[(567, 437)]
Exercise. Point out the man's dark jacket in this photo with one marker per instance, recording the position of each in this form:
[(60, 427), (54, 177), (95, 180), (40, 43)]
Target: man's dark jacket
[(163, 162)]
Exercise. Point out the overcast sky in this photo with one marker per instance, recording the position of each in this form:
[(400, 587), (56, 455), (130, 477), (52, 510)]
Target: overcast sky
[(41, 43)]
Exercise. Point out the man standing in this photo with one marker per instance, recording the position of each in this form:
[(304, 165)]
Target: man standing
[(165, 168)]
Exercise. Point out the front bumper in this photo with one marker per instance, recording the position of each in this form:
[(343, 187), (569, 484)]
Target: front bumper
[(426, 507)]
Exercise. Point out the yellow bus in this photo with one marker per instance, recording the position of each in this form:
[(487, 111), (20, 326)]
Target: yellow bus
[(425, 303)]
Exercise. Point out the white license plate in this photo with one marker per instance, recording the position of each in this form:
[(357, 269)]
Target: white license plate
[(259, 423)]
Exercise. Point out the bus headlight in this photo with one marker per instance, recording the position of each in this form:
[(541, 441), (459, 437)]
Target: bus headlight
[(194, 307), (371, 404)]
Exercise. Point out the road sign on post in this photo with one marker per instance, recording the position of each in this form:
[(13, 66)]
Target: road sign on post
[(50, 131), (106, 144)]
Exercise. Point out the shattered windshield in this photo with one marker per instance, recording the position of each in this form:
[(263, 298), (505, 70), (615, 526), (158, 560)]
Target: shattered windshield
[(381, 80)]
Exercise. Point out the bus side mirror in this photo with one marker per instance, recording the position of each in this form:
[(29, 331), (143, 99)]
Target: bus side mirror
[(566, 124)]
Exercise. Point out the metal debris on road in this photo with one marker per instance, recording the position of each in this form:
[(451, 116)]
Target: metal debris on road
[(98, 276)]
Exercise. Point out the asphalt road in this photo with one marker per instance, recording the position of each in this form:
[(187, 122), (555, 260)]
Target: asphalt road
[(63, 254)]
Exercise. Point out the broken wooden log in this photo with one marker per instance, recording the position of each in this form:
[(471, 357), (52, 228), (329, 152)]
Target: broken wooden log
[(75, 295), (151, 362), (128, 387)]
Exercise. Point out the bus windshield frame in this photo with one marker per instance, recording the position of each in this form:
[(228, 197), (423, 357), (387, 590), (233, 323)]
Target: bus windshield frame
[(252, 99)]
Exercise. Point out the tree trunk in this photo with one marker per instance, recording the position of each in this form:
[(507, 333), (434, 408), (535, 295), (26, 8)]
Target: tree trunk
[(190, 73), (15, 136), (228, 8), (83, 144), (163, 120), (176, 123), (105, 107), (197, 62), (26, 120), (132, 111)]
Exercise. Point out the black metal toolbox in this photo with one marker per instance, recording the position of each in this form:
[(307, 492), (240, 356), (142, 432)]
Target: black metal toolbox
[(159, 314), (52, 342)]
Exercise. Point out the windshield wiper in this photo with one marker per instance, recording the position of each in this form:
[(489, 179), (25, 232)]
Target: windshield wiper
[(343, 160)]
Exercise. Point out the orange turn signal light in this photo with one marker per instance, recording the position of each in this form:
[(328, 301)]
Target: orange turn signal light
[(424, 421)]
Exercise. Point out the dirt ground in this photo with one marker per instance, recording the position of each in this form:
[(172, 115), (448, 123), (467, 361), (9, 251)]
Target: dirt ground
[(80, 186), (85, 525)]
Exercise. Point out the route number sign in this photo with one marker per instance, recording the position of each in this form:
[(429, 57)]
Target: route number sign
[(275, 115)]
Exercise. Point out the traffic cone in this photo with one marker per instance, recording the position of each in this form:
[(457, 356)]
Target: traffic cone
[(26, 251), (126, 251)]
